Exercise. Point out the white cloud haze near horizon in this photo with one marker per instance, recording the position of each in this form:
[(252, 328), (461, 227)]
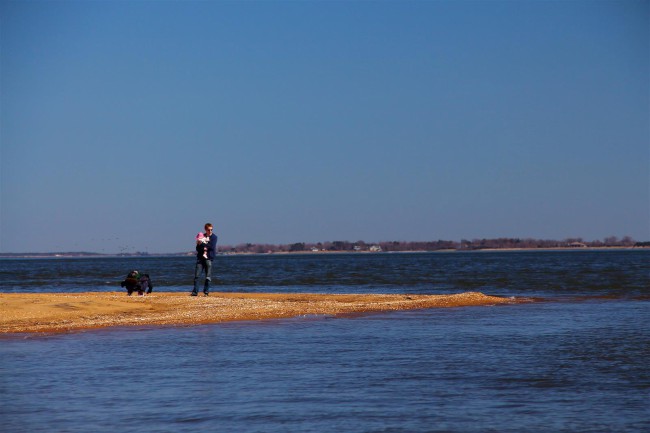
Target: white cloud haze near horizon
[(125, 126)]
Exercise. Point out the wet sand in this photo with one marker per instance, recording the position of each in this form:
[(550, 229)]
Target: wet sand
[(65, 312)]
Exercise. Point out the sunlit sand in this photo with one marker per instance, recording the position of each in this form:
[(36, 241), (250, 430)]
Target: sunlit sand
[(63, 312)]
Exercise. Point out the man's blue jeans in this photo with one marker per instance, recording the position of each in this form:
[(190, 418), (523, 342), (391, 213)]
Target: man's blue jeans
[(202, 266)]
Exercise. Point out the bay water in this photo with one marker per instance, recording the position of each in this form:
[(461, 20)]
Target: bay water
[(573, 358)]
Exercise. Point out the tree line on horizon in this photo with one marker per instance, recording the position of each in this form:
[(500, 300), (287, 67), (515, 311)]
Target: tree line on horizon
[(403, 246), (385, 246)]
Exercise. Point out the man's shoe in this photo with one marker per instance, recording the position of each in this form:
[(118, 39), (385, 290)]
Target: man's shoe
[(193, 294), (206, 294)]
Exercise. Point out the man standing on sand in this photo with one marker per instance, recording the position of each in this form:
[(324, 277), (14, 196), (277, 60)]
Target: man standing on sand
[(203, 264)]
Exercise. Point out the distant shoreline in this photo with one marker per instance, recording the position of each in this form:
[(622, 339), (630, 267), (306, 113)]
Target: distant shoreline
[(192, 254)]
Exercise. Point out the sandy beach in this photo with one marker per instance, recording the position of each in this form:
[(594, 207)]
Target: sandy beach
[(65, 312)]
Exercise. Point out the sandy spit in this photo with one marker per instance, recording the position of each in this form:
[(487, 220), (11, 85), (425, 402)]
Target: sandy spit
[(65, 312)]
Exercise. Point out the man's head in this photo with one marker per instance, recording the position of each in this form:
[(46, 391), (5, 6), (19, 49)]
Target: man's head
[(208, 229)]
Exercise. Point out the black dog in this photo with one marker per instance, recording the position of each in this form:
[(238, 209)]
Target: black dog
[(136, 282)]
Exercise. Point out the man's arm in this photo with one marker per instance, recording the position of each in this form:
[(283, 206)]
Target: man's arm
[(212, 244)]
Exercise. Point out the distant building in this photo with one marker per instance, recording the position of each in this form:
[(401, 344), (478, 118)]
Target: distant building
[(577, 245), (375, 249)]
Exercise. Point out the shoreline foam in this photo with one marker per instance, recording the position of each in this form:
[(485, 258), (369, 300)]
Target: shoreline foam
[(65, 312)]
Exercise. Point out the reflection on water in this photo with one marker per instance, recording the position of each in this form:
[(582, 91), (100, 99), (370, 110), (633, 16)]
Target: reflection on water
[(550, 367), (561, 366)]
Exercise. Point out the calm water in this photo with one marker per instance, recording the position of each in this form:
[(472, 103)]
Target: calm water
[(575, 361), (565, 273)]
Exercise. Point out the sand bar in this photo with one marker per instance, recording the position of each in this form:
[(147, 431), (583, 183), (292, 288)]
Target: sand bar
[(64, 312)]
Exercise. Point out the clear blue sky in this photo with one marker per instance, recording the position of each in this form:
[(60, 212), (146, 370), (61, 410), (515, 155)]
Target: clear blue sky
[(126, 125)]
